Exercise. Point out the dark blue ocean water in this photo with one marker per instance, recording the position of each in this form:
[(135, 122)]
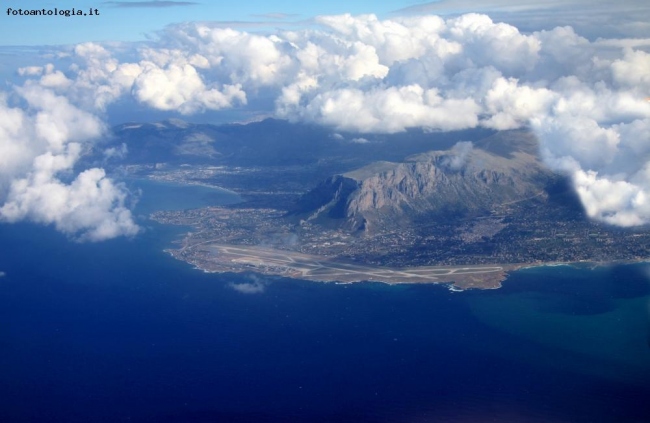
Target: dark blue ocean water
[(120, 331)]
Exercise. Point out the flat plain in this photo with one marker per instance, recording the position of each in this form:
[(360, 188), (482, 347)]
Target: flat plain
[(213, 257)]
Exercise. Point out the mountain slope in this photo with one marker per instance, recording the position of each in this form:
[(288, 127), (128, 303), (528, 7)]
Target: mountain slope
[(466, 179)]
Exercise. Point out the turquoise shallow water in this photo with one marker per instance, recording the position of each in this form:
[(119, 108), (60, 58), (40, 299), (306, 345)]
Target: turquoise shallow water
[(596, 321), (120, 331)]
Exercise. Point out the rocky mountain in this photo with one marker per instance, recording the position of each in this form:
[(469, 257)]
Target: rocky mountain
[(467, 179)]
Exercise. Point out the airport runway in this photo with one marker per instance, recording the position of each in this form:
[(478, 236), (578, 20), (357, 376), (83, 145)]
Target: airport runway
[(324, 269)]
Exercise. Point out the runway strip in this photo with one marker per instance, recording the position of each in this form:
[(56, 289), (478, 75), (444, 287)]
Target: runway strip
[(313, 267)]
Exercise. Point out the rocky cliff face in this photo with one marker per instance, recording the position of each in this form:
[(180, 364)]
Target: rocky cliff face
[(467, 179)]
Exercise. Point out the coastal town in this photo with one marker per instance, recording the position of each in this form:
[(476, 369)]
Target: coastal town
[(523, 234)]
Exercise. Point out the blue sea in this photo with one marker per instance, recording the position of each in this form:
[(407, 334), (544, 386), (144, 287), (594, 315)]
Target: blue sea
[(119, 331)]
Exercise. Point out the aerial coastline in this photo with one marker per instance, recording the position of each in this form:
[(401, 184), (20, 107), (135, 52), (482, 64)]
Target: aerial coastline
[(240, 240), (220, 258), (419, 218), (212, 257)]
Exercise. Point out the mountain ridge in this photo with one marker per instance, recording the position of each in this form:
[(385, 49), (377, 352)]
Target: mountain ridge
[(467, 178)]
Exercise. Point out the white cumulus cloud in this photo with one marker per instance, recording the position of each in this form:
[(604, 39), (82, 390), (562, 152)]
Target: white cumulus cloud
[(38, 149), (256, 285)]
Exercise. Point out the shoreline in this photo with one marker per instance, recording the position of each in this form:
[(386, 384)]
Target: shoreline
[(267, 262), (454, 282), (181, 184), (587, 264)]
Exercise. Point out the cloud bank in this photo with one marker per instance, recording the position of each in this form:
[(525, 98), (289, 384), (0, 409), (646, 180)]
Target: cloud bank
[(584, 99), (39, 147)]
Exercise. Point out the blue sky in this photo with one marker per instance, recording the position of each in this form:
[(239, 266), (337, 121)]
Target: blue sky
[(117, 22), (131, 20)]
